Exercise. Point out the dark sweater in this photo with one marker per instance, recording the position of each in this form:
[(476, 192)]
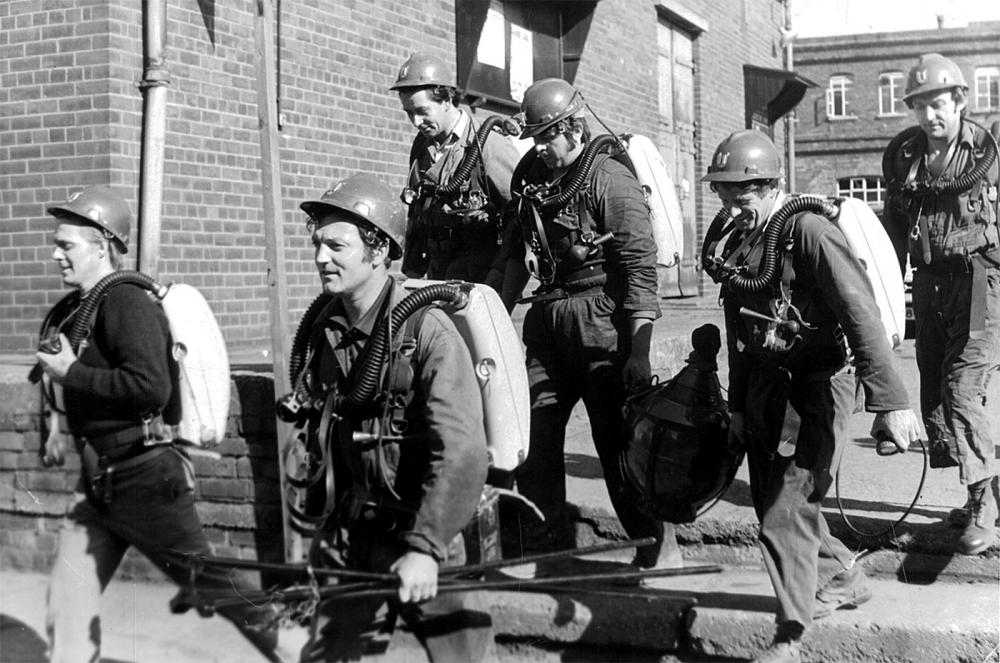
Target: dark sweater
[(123, 373)]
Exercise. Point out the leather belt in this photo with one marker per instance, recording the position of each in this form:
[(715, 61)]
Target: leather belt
[(125, 443)]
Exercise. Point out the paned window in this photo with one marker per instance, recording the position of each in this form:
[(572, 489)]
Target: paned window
[(987, 93), (836, 96), (890, 93), (869, 188)]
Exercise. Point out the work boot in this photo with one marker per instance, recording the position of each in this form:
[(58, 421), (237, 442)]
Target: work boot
[(960, 517), (980, 533), (847, 589), (668, 556), (788, 651)]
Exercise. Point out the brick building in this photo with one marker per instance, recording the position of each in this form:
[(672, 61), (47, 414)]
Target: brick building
[(71, 115), (845, 123)]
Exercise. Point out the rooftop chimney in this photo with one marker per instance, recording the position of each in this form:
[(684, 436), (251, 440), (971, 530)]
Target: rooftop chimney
[(940, 21)]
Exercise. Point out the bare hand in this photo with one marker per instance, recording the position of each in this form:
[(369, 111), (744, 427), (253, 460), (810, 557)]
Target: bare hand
[(900, 426), (418, 576), (57, 365), (55, 443), (637, 372)]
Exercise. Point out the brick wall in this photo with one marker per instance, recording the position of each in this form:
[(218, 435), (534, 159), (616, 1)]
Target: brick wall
[(738, 33), (830, 149), (70, 115), (238, 495)]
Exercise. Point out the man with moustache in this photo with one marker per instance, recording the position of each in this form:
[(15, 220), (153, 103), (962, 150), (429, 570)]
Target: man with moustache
[(941, 209), (453, 235), (401, 500), (588, 330), (797, 382)]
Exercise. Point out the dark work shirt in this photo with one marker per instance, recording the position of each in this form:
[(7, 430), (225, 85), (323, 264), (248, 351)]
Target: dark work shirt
[(833, 293)]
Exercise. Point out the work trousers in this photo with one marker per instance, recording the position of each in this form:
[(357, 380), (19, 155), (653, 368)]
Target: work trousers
[(811, 411), (152, 508), (955, 363), (451, 628), (575, 351)]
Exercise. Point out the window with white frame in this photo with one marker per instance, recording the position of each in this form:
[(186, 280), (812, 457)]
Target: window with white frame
[(869, 188), (836, 96), (987, 94), (890, 93)]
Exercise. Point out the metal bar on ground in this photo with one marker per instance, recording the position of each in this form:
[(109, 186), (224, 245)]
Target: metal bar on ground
[(546, 557)]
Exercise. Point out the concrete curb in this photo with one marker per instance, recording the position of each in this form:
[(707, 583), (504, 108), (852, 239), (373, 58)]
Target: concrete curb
[(731, 615)]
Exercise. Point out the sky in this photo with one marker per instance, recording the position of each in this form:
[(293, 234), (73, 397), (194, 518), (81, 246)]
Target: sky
[(818, 18)]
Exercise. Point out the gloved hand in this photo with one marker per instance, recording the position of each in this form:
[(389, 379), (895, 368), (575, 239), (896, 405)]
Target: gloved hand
[(898, 427)]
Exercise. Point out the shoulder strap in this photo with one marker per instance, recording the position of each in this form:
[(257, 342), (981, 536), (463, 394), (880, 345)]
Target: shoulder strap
[(419, 143), (399, 375)]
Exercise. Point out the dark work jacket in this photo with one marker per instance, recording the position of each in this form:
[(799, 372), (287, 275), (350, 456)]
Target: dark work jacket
[(610, 201), (833, 293), (960, 223), (123, 373), (439, 478), (491, 179)]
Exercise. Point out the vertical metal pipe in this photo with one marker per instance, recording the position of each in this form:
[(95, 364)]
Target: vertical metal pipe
[(789, 39), (155, 79)]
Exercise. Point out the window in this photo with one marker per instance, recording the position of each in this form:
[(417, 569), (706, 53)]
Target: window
[(869, 188), (987, 89), (836, 96), (502, 46), (890, 88)]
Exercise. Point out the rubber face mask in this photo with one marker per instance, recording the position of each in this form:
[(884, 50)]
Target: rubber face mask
[(555, 148), (748, 207)]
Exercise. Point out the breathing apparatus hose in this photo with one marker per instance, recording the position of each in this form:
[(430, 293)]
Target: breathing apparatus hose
[(473, 155), (891, 528), (713, 236), (572, 188), (300, 343), (370, 370), (966, 180), (772, 234), (88, 308)]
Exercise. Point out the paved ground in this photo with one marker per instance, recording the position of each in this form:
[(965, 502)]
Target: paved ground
[(930, 604)]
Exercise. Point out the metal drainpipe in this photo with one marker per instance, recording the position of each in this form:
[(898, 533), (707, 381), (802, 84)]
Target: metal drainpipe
[(789, 39), (154, 84)]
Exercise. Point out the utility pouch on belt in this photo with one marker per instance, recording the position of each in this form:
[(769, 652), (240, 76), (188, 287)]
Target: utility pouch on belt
[(96, 475), (977, 305)]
